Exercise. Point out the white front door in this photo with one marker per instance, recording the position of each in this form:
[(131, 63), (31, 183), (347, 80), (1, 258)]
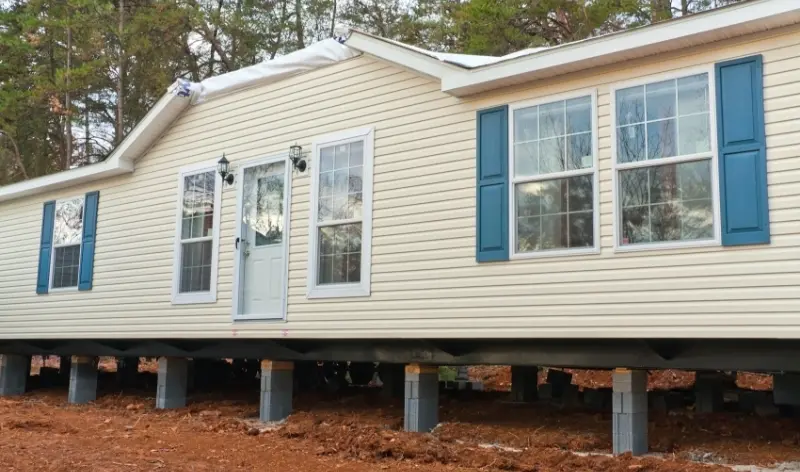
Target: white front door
[(262, 241)]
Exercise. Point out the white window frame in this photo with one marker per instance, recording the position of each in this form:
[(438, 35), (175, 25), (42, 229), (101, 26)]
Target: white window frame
[(56, 246), (616, 168), (513, 180), (362, 288), (210, 296)]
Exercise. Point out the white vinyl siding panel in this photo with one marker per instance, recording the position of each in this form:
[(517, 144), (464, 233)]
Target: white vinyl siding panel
[(425, 282)]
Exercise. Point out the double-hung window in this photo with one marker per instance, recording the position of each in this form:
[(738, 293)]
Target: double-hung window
[(665, 163), (67, 236), (197, 236), (553, 177), (341, 215)]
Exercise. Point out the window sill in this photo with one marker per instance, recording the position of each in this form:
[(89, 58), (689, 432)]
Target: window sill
[(194, 298), (554, 253), (338, 291), (62, 290), (668, 245), (272, 318)]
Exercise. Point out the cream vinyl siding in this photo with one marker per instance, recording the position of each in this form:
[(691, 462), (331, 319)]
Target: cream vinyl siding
[(425, 281)]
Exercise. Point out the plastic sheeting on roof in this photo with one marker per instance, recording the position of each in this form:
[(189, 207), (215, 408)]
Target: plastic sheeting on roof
[(468, 61), (319, 54), (471, 62)]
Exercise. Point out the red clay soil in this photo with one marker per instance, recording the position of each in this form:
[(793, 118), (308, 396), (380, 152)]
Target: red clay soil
[(498, 378), (359, 432), (123, 433)]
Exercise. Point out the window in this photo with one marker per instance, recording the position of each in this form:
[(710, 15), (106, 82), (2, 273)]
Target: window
[(67, 236), (197, 237), (665, 163), (341, 215), (553, 177)]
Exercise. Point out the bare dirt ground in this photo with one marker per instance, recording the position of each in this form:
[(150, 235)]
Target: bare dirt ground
[(360, 430), (498, 378)]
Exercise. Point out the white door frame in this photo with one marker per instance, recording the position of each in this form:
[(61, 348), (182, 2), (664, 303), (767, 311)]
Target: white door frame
[(238, 266)]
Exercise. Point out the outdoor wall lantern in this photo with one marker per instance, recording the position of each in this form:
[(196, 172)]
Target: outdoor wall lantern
[(296, 156), (224, 169)]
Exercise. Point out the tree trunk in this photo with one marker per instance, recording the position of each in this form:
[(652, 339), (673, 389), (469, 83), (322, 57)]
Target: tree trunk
[(660, 10), (212, 39), (120, 116), (17, 156), (67, 105), (333, 19), (298, 24)]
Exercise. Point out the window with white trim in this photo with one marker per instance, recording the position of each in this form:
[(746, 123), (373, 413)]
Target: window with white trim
[(67, 238), (553, 176), (197, 237), (341, 216), (664, 162)]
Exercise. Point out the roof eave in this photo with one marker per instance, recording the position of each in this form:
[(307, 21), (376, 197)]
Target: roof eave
[(402, 56), (122, 160), (737, 20)]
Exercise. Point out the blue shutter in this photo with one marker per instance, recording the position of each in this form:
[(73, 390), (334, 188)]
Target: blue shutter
[(88, 242), (742, 152), (492, 210), (46, 248)]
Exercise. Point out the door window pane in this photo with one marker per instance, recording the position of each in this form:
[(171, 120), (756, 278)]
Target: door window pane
[(263, 199)]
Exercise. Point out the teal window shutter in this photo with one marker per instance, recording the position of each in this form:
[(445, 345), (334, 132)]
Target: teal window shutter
[(742, 152), (46, 248), (492, 205), (88, 242)]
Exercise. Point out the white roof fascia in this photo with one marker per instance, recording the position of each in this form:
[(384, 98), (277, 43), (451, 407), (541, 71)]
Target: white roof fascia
[(402, 55), (675, 34), (122, 160)]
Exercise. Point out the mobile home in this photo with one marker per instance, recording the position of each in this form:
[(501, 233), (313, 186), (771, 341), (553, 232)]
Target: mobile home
[(629, 201)]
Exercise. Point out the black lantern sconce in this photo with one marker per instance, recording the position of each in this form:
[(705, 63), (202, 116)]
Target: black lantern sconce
[(296, 156), (224, 169)]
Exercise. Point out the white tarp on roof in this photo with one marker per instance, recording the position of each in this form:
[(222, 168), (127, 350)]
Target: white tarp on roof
[(471, 62), (464, 60), (317, 55)]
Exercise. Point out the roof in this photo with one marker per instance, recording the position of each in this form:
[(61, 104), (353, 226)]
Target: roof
[(459, 74)]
